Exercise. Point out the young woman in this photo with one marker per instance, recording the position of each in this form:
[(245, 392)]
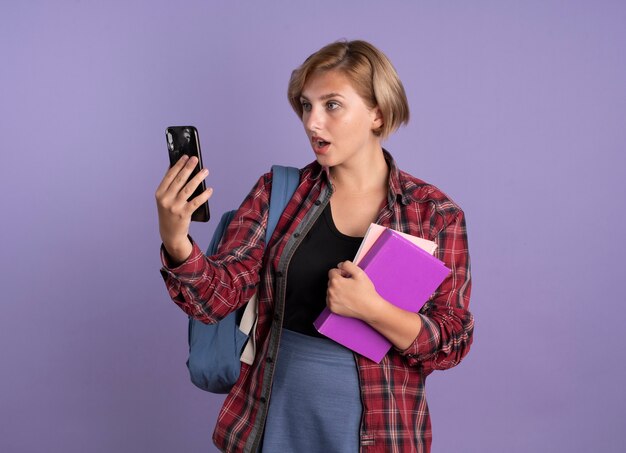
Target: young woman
[(304, 392)]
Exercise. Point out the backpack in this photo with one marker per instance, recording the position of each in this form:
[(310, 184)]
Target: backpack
[(217, 350)]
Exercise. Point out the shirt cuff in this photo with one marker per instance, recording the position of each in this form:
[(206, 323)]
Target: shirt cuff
[(425, 343), (188, 269)]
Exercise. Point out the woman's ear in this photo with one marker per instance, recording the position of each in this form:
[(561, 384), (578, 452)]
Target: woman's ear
[(378, 119)]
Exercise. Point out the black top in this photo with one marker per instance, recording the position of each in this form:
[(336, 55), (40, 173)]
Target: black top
[(307, 279)]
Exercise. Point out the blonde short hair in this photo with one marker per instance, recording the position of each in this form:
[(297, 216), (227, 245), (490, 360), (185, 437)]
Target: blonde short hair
[(373, 76)]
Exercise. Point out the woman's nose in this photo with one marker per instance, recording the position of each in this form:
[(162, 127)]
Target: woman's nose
[(313, 120)]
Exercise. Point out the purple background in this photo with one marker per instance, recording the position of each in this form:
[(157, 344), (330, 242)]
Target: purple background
[(518, 112)]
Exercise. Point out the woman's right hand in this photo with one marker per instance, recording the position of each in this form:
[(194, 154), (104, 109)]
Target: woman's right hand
[(174, 209)]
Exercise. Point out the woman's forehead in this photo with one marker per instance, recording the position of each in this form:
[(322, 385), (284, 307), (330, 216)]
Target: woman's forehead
[(320, 85)]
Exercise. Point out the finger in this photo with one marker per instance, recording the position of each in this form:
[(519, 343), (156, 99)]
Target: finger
[(177, 167), (334, 273), (182, 176), (192, 185), (196, 202), (348, 267), (171, 173)]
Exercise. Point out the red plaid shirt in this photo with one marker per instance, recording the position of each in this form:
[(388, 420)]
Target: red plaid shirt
[(395, 413)]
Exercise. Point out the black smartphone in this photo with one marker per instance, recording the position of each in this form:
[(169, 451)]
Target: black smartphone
[(183, 140)]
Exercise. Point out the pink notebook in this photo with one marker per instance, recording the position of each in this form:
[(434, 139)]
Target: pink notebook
[(403, 274)]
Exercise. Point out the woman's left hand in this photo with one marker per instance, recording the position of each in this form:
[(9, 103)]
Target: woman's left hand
[(351, 293)]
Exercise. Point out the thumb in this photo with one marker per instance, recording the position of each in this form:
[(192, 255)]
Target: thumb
[(349, 267)]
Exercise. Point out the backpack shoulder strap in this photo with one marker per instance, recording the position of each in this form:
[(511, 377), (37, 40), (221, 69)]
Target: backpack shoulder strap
[(219, 232), (285, 181)]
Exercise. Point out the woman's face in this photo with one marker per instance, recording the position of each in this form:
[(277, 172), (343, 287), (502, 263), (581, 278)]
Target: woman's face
[(337, 121)]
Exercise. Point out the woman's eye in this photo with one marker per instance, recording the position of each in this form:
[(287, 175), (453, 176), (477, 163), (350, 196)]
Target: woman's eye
[(332, 105), (306, 106)]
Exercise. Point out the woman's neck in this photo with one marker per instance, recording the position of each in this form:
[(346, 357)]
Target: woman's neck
[(363, 176)]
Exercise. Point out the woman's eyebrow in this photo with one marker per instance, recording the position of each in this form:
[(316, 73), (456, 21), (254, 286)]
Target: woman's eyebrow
[(324, 96), (330, 95)]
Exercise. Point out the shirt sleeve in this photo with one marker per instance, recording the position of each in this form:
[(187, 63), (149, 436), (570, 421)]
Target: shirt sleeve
[(209, 288), (447, 325)]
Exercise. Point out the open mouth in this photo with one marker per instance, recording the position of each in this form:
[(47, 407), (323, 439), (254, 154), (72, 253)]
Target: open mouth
[(319, 144)]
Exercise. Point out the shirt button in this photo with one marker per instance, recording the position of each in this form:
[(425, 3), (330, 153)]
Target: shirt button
[(276, 317), (317, 202), (296, 235), (263, 400), (269, 360), (279, 274)]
